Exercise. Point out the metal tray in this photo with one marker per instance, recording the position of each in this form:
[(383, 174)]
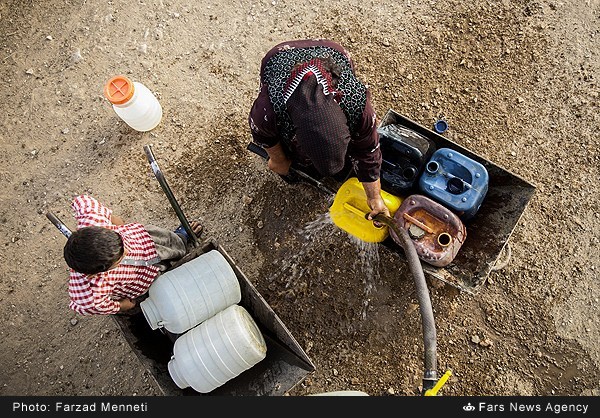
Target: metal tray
[(489, 231), (285, 365)]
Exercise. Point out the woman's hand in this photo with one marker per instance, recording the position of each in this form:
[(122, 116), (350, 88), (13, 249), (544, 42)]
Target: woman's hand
[(377, 206), (281, 167), (374, 200), (278, 161)]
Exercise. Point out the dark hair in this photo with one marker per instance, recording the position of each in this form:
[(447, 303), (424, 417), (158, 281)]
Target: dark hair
[(93, 249), (330, 66), (334, 69)]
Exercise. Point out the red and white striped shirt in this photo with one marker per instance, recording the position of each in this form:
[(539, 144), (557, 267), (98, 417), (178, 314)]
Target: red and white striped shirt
[(98, 294)]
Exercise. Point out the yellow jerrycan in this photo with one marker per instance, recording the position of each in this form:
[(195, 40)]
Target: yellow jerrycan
[(349, 209)]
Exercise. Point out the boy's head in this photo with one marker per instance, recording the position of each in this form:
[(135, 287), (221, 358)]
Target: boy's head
[(93, 249)]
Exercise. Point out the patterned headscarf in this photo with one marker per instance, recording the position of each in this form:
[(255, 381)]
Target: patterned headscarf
[(322, 133), (277, 73)]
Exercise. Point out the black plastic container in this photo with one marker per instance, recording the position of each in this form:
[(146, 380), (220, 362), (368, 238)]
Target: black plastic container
[(405, 154)]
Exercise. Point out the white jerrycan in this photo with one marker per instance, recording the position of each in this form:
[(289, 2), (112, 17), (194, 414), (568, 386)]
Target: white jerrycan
[(217, 350), (181, 298)]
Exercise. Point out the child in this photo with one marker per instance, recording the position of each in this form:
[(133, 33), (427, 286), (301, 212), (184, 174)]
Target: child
[(112, 263)]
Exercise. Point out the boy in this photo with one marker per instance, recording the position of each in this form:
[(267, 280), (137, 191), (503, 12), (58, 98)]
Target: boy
[(112, 263)]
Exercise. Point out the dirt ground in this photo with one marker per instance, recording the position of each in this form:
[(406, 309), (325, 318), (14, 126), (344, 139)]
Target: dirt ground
[(517, 81)]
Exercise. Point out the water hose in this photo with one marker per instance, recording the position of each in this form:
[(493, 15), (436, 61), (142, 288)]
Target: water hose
[(427, 318)]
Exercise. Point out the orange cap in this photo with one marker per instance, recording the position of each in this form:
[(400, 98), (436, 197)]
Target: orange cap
[(119, 89)]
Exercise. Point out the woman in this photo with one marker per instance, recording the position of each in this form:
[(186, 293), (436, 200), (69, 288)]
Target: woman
[(314, 114)]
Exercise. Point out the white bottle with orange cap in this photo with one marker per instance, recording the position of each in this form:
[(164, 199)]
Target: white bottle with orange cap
[(134, 103)]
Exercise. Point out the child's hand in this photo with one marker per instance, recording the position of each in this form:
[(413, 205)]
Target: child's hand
[(126, 304), (116, 220)]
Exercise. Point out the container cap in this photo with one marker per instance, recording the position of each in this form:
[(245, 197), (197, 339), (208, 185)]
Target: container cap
[(119, 89), (440, 126)]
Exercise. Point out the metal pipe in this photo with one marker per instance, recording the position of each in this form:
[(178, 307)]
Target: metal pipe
[(192, 239)]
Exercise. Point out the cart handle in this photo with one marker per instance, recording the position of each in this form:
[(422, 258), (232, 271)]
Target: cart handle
[(58, 224), (174, 204)]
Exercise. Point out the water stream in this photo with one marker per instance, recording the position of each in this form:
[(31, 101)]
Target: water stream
[(322, 229), (368, 263)]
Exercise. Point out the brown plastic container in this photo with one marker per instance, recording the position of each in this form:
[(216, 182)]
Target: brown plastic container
[(435, 230)]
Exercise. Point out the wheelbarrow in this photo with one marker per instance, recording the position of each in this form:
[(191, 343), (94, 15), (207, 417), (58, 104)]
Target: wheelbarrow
[(486, 248), (286, 363)]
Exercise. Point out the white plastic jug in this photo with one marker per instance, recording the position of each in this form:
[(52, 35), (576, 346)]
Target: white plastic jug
[(217, 350), (181, 298), (134, 103)]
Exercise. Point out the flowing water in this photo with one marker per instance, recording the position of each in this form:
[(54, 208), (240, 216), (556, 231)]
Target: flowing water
[(322, 229), (368, 262), (297, 263)]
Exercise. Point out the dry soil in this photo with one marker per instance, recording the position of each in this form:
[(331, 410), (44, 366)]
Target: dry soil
[(517, 81)]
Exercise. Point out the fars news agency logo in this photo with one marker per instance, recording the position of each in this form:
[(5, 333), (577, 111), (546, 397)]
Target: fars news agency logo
[(468, 407)]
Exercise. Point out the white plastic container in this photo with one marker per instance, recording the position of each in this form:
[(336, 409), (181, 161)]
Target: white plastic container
[(134, 103), (342, 393), (217, 350), (181, 298)]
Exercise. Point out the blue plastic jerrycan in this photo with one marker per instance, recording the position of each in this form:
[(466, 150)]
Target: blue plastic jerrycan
[(456, 181)]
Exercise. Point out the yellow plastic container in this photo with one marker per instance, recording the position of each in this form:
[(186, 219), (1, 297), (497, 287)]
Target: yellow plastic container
[(350, 207)]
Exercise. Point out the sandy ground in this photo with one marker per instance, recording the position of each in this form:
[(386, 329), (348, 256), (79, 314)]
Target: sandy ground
[(516, 80)]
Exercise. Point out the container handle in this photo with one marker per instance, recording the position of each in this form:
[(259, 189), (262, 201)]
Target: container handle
[(418, 223), (354, 210)]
